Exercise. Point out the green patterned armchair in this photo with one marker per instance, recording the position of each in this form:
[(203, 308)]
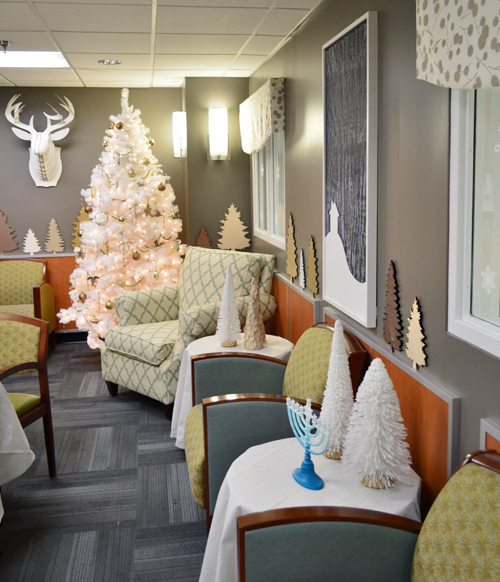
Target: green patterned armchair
[(24, 290), (144, 352)]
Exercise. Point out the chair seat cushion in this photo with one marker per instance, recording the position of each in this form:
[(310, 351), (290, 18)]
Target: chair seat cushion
[(23, 403), (27, 309), (195, 453), (151, 342)]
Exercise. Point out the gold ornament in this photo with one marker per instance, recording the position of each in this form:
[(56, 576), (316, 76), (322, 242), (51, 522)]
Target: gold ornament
[(88, 209), (146, 161), (93, 318), (151, 141), (136, 256), (122, 220), (80, 233), (161, 186), (156, 275), (119, 125), (176, 246), (82, 297), (71, 283), (120, 283), (109, 305), (111, 126), (173, 215), (132, 173), (105, 143)]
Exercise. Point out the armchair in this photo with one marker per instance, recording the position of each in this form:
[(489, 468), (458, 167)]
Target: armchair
[(457, 542), (144, 352), (208, 452), (24, 290)]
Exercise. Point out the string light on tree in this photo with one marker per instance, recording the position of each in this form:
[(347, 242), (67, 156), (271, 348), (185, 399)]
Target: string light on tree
[(123, 246)]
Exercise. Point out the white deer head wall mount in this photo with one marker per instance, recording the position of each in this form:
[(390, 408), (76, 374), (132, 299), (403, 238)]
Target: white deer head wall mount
[(45, 158)]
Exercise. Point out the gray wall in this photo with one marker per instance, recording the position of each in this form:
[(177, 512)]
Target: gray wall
[(27, 206), (412, 187)]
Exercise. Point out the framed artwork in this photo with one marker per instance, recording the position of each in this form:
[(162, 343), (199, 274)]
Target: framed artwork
[(350, 84)]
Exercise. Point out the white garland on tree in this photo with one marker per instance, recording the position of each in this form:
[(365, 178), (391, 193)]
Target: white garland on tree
[(131, 240), (228, 324), (375, 444), (338, 398)]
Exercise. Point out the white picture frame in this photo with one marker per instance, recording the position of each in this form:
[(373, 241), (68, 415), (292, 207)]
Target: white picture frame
[(350, 110)]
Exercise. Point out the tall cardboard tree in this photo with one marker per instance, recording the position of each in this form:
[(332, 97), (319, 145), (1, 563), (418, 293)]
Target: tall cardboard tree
[(233, 233), (392, 318), (291, 250), (254, 334), (228, 324), (7, 236), (415, 344), (54, 242), (312, 269), (82, 217)]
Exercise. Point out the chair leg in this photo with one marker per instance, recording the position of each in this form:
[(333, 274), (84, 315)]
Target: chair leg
[(112, 388), (168, 410), (52, 340), (49, 443)]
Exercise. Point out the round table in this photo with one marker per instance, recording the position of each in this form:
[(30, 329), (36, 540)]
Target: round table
[(275, 347), (261, 479)]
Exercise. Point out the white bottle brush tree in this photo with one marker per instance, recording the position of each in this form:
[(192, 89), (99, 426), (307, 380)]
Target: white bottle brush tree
[(228, 324), (131, 240), (338, 396), (375, 446)]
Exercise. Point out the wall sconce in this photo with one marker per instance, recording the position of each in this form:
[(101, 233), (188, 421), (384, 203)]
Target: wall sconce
[(179, 133), (218, 135)]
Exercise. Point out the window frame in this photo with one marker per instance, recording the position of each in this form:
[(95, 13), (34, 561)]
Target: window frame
[(461, 323), (267, 235)]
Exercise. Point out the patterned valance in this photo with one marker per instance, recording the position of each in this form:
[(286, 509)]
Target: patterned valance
[(262, 114), (458, 44)]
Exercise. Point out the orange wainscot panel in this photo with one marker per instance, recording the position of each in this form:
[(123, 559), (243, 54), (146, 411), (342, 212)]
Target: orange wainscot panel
[(492, 442), (59, 270), (300, 315), (425, 417), (279, 324)]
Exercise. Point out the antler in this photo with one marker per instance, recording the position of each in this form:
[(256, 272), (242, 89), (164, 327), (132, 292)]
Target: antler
[(68, 106), (14, 119)]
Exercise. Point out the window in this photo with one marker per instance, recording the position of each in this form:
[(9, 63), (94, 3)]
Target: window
[(268, 169), (474, 246)]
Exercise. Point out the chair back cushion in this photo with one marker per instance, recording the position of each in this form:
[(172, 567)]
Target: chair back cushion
[(330, 549), (19, 343), (17, 279), (203, 275), (151, 342), (307, 369), (460, 538)]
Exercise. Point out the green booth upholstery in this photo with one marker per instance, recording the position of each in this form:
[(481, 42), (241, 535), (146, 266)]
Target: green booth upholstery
[(144, 352), (459, 540), (24, 290), (264, 385)]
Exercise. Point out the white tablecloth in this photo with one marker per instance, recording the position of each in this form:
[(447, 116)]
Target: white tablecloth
[(15, 453), (261, 479), (275, 347)]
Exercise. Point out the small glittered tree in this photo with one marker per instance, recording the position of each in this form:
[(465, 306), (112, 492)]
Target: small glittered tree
[(233, 233), (7, 236), (31, 244), (392, 319), (291, 250), (312, 270), (254, 334), (228, 324), (82, 217), (54, 242), (375, 446), (338, 395), (302, 270), (415, 344), (203, 240)]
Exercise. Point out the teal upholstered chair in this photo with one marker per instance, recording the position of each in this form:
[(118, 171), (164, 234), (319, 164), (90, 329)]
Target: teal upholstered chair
[(144, 352), (239, 391), (459, 540)]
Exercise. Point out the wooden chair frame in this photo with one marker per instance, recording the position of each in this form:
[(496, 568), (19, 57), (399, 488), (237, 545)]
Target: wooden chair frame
[(43, 410)]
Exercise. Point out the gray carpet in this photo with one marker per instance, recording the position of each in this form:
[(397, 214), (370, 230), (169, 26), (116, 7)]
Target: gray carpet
[(120, 508)]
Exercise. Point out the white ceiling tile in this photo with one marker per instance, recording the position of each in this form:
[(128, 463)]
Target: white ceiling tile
[(5, 82), (113, 75), (248, 62), (96, 17), (104, 42), (129, 62), (220, 3), (199, 44), (177, 73), (145, 2), (29, 41), (130, 82), (172, 82), (208, 20), (262, 45), (24, 74), (298, 4), (193, 61), (282, 22), (238, 73), (17, 16)]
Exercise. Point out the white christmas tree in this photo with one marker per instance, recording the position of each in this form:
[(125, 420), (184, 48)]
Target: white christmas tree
[(375, 446), (131, 240), (31, 244), (233, 233), (302, 270), (228, 324), (337, 399), (54, 242), (254, 334)]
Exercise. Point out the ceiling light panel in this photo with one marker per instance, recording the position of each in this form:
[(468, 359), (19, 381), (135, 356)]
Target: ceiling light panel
[(32, 60)]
